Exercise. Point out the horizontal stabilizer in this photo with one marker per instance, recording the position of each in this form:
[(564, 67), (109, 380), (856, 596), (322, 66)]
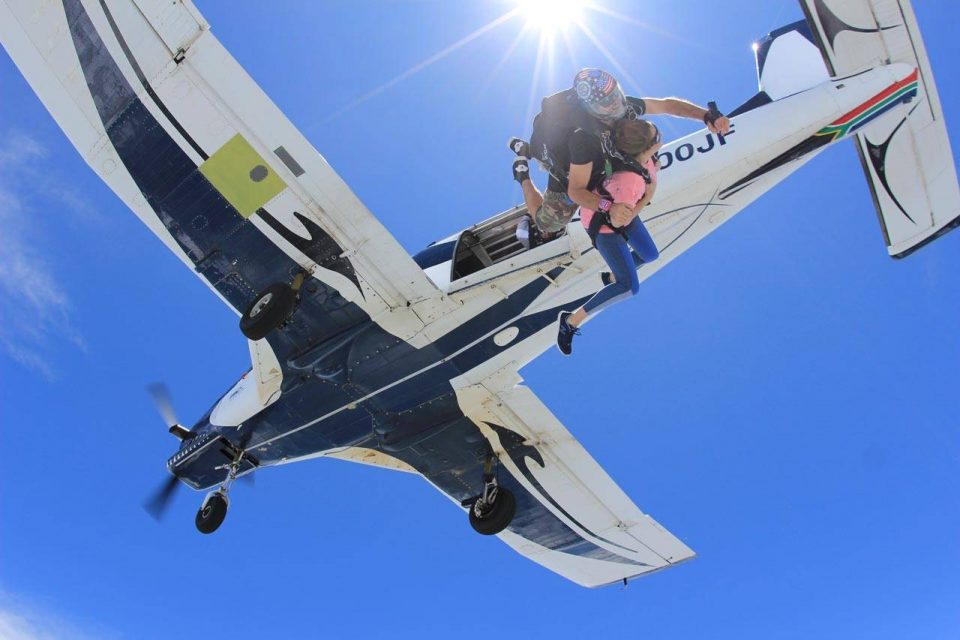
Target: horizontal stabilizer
[(906, 157)]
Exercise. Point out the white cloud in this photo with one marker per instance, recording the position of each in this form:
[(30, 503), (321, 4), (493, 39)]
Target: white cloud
[(22, 621), (19, 148), (34, 307)]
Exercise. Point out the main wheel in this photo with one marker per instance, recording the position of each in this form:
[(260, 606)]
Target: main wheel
[(491, 519), (271, 309), (211, 514)]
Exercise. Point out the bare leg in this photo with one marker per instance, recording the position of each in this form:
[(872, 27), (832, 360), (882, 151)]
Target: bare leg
[(531, 196), (578, 316), (581, 313)]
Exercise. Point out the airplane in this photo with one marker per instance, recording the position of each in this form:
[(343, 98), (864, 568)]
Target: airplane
[(364, 353)]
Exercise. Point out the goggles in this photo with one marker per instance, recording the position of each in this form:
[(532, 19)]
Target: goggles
[(658, 138), (612, 106)]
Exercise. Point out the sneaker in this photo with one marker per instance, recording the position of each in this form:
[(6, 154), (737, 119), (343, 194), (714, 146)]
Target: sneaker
[(565, 334), (521, 170), (523, 232), (519, 147), (606, 278)]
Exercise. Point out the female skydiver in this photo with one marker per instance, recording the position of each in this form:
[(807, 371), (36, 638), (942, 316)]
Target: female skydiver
[(623, 195)]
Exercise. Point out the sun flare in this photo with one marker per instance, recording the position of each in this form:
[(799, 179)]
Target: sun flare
[(550, 16)]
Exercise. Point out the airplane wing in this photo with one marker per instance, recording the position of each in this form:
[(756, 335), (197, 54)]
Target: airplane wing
[(179, 131), (572, 518)]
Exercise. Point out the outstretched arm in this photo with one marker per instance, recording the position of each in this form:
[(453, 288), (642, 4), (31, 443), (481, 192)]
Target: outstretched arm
[(685, 109)]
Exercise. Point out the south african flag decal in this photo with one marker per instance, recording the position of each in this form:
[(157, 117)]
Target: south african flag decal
[(898, 93)]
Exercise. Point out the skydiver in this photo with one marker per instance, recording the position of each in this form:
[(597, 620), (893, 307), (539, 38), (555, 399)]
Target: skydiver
[(571, 138)]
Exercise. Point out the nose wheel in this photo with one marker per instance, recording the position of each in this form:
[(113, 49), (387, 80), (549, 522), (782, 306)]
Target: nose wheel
[(212, 512), (214, 508), (493, 510)]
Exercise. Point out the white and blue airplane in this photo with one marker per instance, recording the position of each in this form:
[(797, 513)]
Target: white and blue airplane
[(360, 351)]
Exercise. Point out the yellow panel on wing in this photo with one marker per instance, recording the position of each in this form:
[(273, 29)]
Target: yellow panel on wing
[(242, 176)]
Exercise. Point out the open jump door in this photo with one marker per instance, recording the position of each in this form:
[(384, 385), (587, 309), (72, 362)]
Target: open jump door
[(491, 249)]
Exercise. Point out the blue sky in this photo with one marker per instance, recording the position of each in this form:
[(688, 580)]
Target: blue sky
[(782, 397)]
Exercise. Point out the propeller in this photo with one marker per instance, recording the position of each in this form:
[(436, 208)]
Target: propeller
[(161, 399), (156, 505), (158, 502)]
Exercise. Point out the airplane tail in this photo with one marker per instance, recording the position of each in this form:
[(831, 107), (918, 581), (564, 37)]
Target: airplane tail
[(907, 157)]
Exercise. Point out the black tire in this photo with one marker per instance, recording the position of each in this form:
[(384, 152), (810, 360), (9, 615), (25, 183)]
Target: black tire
[(271, 309), (497, 517), (211, 515)]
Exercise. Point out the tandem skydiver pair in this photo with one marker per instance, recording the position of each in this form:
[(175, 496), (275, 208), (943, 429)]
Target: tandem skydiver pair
[(601, 157)]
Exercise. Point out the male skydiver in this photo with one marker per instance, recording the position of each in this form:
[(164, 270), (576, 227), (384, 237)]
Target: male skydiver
[(572, 139)]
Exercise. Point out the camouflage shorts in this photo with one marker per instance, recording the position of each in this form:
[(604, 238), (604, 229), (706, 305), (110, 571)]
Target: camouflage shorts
[(555, 212)]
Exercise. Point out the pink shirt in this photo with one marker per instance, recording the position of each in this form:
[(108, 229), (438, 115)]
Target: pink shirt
[(626, 187)]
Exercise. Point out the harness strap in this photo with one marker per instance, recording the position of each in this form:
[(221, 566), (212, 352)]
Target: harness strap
[(599, 220)]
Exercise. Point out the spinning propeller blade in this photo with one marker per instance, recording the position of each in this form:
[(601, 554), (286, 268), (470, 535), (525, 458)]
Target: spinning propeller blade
[(157, 504), (161, 399)]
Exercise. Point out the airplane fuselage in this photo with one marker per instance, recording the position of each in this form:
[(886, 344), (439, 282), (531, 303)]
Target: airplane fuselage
[(366, 394)]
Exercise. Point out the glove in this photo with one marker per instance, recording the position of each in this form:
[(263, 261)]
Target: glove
[(712, 114)]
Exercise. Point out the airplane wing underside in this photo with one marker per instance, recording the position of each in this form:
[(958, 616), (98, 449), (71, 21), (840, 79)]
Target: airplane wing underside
[(572, 518), (172, 123)]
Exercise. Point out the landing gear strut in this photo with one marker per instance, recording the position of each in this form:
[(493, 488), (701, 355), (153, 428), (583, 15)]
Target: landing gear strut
[(493, 510), (214, 507)]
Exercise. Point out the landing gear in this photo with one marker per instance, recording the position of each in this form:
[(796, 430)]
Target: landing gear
[(493, 510), (214, 508), (272, 308), (212, 512)]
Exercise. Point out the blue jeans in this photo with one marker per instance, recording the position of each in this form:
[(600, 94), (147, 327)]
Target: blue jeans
[(616, 251)]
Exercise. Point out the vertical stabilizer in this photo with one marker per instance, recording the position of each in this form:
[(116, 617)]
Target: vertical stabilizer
[(789, 61)]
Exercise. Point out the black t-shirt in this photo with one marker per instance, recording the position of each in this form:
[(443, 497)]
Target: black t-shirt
[(584, 146)]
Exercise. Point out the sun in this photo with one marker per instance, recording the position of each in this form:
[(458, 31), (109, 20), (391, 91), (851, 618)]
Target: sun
[(550, 16)]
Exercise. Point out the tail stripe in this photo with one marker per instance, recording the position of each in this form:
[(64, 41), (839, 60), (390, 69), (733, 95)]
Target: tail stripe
[(902, 91)]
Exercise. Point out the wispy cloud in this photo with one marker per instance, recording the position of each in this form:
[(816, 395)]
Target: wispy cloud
[(34, 307), (22, 621)]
